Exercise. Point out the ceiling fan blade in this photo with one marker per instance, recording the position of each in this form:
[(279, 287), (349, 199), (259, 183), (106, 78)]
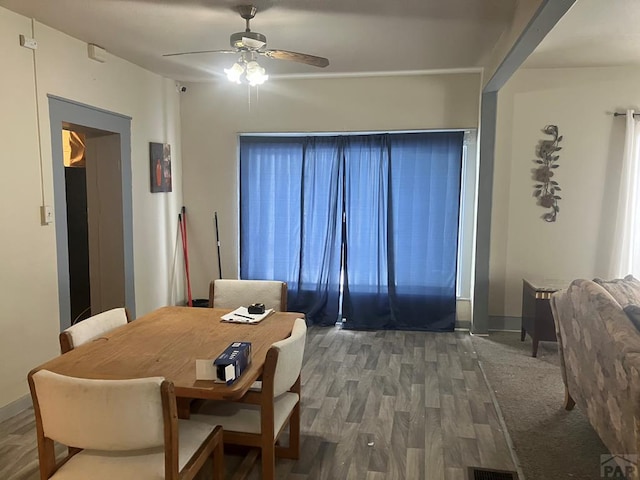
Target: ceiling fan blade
[(200, 51), (296, 57)]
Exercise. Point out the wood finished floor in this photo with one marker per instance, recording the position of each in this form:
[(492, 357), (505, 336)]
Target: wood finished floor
[(376, 405)]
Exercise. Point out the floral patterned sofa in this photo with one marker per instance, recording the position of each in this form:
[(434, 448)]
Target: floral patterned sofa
[(600, 357)]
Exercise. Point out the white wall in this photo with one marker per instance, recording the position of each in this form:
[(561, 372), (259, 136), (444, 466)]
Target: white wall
[(578, 244), (28, 282), (213, 115)]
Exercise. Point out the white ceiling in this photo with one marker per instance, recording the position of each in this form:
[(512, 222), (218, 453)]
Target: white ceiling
[(357, 37), (594, 33)]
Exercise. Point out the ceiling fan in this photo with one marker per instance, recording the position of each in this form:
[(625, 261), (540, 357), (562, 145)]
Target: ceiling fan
[(250, 45)]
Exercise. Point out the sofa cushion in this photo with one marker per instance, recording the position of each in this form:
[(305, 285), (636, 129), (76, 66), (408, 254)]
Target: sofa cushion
[(624, 290), (633, 312)]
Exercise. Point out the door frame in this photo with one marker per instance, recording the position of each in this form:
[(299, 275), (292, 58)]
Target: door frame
[(63, 111)]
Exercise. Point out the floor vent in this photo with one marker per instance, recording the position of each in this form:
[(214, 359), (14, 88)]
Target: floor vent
[(488, 474)]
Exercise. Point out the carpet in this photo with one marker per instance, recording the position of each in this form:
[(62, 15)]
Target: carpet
[(550, 442)]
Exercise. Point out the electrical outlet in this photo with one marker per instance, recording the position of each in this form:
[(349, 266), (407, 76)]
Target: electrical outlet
[(46, 214), (28, 42)]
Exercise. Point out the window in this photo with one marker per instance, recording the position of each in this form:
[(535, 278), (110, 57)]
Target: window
[(379, 211)]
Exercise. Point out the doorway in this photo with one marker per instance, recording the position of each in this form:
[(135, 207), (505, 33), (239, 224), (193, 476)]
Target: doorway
[(93, 210), (93, 189)]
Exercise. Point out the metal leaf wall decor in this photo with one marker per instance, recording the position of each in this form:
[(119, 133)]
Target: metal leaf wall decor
[(546, 190)]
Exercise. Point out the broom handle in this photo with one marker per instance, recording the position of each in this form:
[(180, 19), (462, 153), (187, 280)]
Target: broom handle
[(186, 255)]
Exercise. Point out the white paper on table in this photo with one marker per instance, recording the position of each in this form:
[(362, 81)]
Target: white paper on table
[(242, 315)]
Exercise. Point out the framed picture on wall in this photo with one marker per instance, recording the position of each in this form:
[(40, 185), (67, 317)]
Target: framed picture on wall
[(160, 167)]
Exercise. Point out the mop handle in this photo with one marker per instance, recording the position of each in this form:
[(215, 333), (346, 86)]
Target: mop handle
[(218, 244)]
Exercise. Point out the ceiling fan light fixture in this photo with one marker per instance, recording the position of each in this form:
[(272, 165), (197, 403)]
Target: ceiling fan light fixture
[(247, 69), (256, 75), (234, 73), (250, 45)]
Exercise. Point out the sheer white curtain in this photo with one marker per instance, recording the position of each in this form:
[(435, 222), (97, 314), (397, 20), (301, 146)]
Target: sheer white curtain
[(626, 249)]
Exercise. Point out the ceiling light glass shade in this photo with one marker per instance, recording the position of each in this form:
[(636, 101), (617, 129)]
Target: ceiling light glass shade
[(234, 73), (247, 69), (256, 75)]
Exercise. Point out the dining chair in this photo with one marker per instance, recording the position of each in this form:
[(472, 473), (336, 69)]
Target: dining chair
[(225, 293), (258, 419), (92, 327), (118, 429)]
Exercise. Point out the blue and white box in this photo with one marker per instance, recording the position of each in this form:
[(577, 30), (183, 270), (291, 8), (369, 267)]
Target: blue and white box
[(232, 362)]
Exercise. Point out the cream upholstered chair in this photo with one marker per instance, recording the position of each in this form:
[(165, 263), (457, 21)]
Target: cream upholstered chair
[(241, 293), (92, 327), (118, 429), (260, 417)]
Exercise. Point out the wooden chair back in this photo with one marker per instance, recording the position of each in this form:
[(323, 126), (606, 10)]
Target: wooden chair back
[(225, 293), (92, 328), (112, 416), (290, 352)]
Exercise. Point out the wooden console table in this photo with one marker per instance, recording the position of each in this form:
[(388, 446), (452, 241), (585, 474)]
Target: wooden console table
[(537, 319)]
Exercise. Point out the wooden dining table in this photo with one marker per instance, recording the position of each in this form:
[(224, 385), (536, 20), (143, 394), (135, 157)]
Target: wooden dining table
[(167, 342)]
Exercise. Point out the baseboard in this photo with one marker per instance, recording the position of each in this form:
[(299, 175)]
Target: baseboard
[(15, 407), (463, 325), (509, 324), (496, 323)]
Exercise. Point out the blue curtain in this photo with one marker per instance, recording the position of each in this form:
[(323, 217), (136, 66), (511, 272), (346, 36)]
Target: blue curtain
[(290, 219), (367, 278), (402, 196), (399, 194), (270, 191)]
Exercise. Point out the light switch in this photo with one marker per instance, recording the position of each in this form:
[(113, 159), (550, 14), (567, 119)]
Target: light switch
[(46, 214)]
